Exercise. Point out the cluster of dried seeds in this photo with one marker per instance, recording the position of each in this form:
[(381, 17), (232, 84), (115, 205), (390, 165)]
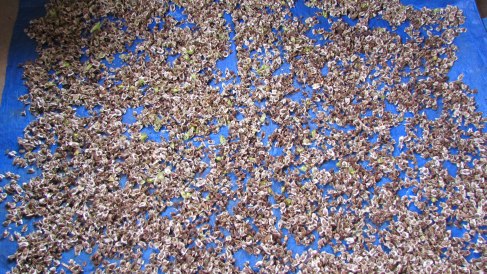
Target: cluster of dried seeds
[(256, 159)]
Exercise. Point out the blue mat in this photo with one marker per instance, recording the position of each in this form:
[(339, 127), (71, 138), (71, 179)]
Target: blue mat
[(472, 62), (12, 123)]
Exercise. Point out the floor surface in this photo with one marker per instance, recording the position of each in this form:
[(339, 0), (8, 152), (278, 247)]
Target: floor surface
[(8, 15), (482, 5)]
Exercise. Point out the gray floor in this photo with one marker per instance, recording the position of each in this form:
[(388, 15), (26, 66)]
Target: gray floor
[(482, 5), (8, 14)]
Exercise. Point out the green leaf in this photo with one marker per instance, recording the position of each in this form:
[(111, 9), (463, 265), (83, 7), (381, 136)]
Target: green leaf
[(52, 13), (189, 134), (140, 82), (351, 170), (143, 137), (186, 195), (157, 125), (303, 168), (218, 158), (313, 133), (88, 67), (288, 202), (263, 69), (96, 27), (262, 118), (160, 176), (223, 140)]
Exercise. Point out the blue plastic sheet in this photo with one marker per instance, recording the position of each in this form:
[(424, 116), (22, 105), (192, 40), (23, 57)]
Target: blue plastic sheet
[(472, 62), (12, 123)]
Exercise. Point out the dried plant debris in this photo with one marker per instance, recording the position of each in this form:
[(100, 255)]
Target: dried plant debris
[(182, 136)]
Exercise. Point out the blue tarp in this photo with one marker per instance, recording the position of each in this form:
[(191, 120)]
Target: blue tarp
[(12, 123), (472, 62)]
